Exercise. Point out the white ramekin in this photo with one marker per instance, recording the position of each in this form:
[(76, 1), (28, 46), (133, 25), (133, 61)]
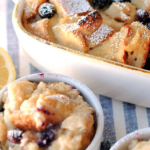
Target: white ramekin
[(123, 143), (106, 77), (87, 94)]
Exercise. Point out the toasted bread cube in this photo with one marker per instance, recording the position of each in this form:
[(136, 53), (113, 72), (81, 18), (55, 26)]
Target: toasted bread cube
[(129, 46), (31, 9), (137, 45), (90, 23), (125, 12), (116, 25), (99, 36), (142, 4), (109, 48), (42, 29), (68, 35), (74, 33), (72, 7)]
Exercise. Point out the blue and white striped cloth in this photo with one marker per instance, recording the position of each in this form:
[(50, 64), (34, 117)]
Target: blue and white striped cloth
[(120, 118)]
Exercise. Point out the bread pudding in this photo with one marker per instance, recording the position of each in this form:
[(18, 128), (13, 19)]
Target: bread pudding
[(45, 117), (118, 30), (139, 145)]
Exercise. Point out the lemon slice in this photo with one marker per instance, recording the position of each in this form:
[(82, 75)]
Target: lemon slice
[(7, 69)]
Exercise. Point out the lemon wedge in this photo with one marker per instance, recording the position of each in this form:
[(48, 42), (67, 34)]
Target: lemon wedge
[(7, 69)]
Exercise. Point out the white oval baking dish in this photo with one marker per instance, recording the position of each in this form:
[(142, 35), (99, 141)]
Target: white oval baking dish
[(87, 94), (106, 77), (123, 143)]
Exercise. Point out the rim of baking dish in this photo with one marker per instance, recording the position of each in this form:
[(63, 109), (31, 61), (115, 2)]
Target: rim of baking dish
[(117, 65), (82, 88)]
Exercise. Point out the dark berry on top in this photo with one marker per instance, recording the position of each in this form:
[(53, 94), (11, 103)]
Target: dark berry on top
[(46, 10), (2, 110), (147, 64), (105, 145), (148, 25), (46, 138), (14, 136), (143, 15), (99, 3)]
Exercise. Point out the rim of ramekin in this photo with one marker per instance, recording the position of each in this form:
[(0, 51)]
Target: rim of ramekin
[(99, 112), (124, 142)]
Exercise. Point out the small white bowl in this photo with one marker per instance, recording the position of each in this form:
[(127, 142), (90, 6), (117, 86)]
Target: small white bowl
[(124, 142), (87, 94)]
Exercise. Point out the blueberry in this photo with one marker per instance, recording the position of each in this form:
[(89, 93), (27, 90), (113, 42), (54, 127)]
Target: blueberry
[(100, 3), (147, 64), (2, 110), (105, 145), (46, 10), (148, 25), (14, 136), (46, 138), (143, 16)]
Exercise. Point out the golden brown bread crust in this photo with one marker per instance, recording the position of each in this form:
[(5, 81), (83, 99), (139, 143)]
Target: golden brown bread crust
[(31, 9), (83, 35), (136, 44), (46, 111), (129, 46), (90, 23)]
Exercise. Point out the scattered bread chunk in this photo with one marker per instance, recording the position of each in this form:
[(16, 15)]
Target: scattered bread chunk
[(138, 45), (90, 23), (116, 25), (72, 35), (46, 107), (142, 4), (125, 12), (31, 9), (42, 29), (109, 48), (99, 36), (68, 35), (129, 46), (72, 7)]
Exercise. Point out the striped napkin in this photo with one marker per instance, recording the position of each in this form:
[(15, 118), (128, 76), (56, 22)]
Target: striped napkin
[(120, 118)]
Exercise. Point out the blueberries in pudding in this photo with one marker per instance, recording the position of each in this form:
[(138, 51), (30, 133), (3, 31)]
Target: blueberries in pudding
[(100, 3), (46, 138), (2, 110), (143, 16), (14, 136), (46, 10), (148, 25)]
